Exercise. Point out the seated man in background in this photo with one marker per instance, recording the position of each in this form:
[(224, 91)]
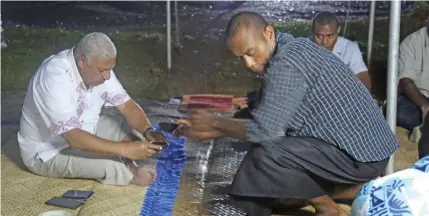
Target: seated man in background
[(413, 99), (326, 28), (316, 133), (62, 134)]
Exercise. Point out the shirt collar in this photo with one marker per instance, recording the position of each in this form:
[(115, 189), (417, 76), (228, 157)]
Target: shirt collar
[(336, 47), (77, 78), (281, 40)]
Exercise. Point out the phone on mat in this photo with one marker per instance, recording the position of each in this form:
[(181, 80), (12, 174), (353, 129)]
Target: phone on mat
[(78, 194), (65, 203)]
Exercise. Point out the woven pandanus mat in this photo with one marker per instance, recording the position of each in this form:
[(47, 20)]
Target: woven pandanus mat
[(24, 193), (407, 154)]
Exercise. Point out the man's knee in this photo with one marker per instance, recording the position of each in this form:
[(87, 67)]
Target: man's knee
[(259, 156), (408, 113), (40, 169), (113, 126)]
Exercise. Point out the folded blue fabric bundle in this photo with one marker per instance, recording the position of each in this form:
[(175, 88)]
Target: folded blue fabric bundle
[(402, 193), (161, 195)]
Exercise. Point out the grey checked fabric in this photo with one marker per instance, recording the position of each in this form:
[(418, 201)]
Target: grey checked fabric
[(309, 92)]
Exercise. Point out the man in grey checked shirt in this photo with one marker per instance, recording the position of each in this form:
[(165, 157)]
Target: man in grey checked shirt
[(316, 133)]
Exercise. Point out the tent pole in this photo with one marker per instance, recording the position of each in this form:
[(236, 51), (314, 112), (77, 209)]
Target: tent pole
[(370, 33), (392, 76), (176, 14), (168, 35)]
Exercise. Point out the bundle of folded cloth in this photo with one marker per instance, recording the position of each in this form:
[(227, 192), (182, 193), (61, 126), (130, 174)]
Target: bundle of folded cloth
[(404, 193), (211, 102)]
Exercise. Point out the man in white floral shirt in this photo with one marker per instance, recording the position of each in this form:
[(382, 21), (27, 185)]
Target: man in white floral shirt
[(62, 133)]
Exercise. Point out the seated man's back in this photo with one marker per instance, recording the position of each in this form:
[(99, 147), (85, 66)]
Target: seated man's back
[(336, 107)]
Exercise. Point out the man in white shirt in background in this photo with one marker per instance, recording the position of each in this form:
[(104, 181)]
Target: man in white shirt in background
[(413, 98), (326, 28), (62, 133)]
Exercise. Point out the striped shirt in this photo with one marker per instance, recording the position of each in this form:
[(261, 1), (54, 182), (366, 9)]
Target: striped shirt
[(309, 92)]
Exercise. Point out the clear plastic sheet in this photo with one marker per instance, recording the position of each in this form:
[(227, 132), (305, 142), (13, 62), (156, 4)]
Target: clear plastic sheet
[(209, 169)]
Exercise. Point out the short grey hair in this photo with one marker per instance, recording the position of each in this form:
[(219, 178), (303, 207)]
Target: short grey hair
[(95, 44)]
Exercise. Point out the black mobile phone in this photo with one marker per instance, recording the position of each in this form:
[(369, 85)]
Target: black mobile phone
[(168, 127), (65, 203), (78, 194), (162, 144)]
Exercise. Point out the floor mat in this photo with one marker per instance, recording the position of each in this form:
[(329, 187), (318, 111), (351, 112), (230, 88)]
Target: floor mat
[(24, 193), (208, 170)]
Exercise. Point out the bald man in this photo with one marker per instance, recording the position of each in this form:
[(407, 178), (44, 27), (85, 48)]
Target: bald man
[(316, 133)]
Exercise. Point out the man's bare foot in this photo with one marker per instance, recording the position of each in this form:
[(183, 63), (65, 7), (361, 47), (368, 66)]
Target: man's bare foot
[(325, 206), (346, 191), (332, 212), (142, 176), (341, 211)]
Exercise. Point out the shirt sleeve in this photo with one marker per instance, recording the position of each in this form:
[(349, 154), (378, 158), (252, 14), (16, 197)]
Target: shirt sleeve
[(409, 63), (283, 92), (357, 64), (116, 94), (54, 98)]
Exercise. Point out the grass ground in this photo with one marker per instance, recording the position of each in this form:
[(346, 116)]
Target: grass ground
[(201, 66), (141, 65)]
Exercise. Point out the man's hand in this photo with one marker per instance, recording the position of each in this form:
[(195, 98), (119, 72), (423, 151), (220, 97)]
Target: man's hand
[(425, 110), (185, 129), (139, 150), (156, 137), (240, 102), (202, 120)]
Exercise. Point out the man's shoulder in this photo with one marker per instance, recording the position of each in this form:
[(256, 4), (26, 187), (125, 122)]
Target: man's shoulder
[(57, 63), (298, 46), (304, 40), (55, 70), (347, 45), (416, 36)]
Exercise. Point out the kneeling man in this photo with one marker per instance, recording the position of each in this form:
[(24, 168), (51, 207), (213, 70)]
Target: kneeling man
[(316, 133), (62, 133)]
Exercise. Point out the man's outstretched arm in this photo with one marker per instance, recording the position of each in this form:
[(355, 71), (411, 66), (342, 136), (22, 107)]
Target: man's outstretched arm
[(284, 90), (365, 79), (134, 115)]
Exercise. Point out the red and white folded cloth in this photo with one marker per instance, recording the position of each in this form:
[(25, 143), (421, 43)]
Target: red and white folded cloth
[(212, 102)]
